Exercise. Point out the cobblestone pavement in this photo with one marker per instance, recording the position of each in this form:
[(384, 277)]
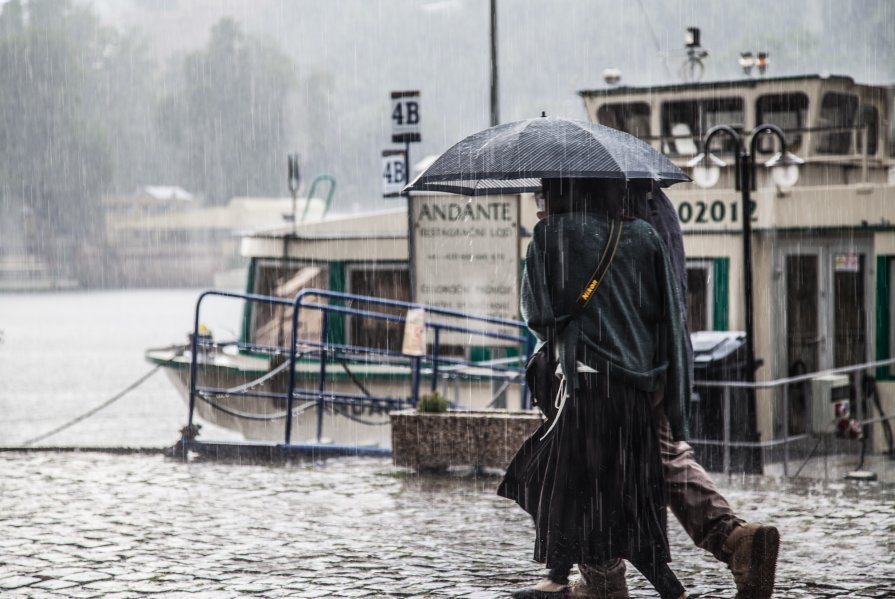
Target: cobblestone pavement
[(94, 525)]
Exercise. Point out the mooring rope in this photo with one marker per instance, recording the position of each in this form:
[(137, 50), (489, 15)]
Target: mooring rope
[(261, 380), (343, 411), (311, 403), (101, 406), (352, 376), (215, 406), (250, 416)]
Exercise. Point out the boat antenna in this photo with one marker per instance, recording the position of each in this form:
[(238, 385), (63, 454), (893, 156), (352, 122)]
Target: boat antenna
[(652, 32), (693, 69), (294, 180)]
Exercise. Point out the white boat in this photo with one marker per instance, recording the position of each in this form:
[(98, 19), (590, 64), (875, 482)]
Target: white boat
[(364, 256), (823, 255), (823, 246)]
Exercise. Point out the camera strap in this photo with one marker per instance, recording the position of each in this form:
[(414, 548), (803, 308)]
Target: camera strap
[(596, 279)]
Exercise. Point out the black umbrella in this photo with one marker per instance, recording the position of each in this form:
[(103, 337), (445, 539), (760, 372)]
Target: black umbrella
[(514, 157)]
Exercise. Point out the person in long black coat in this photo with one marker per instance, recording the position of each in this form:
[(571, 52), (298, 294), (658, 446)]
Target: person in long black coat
[(591, 477)]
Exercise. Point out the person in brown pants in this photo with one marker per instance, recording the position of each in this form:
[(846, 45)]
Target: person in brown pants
[(749, 549)]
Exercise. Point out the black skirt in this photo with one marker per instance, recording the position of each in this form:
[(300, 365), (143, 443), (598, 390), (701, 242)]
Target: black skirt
[(594, 485)]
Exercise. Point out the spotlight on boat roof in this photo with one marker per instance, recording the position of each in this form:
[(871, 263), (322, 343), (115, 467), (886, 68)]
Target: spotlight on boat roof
[(747, 61), (691, 38), (612, 76), (762, 62), (706, 169)]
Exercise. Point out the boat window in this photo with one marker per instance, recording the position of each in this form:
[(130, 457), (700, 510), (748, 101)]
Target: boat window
[(631, 117), (699, 296), (803, 336), (890, 130), (787, 111), (850, 316), (869, 119), (271, 323), (387, 282), (836, 110), (684, 123), (722, 111), (680, 123), (886, 287)]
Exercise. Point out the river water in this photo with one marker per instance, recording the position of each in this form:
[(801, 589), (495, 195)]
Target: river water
[(61, 354)]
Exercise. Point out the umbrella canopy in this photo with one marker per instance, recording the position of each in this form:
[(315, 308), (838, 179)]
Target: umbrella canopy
[(514, 157)]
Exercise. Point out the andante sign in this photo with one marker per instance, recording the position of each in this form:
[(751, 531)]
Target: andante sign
[(471, 210), (466, 253)]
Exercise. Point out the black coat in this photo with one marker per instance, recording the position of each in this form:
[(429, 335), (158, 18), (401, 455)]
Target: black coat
[(594, 485)]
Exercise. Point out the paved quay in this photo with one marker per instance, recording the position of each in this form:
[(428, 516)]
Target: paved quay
[(97, 525)]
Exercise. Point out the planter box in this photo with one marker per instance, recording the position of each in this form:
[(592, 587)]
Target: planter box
[(434, 441)]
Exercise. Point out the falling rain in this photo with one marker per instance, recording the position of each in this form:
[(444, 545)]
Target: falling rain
[(279, 287)]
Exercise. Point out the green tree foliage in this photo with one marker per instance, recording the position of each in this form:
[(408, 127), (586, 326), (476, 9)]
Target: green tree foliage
[(226, 115), (127, 94), (77, 107), (54, 159)]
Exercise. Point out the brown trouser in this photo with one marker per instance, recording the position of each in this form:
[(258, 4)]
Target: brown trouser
[(692, 496)]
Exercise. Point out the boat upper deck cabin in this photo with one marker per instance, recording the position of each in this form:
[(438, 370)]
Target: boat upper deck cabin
[(844, 131), (823, 245)]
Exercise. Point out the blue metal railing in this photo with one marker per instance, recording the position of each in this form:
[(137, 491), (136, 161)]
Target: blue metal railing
[(434, 364)]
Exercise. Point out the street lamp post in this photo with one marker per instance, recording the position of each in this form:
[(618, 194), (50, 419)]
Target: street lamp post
[(706, 173), (784, 170), (495, 102)]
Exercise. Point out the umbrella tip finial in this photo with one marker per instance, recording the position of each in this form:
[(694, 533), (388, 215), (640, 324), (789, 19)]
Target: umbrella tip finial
[(543, 114)]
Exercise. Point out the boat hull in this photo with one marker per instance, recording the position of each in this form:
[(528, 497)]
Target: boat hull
[(263, 418)]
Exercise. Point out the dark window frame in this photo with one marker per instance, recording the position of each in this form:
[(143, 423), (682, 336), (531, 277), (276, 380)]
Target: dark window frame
[(622, 113), (790, 102), (889, 306), (837, 109), (706, 269), (391, 333), (261, 284), (872, 125), (694, 113), (885, 311)]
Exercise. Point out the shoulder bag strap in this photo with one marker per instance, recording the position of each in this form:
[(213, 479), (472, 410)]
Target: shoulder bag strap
[(615, 235)]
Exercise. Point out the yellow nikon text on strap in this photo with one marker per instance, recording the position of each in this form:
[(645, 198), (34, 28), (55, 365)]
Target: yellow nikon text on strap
[(615, 234), (589, 291)]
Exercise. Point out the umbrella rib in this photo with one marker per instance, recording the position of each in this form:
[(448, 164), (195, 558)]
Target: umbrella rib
[(608, 152)]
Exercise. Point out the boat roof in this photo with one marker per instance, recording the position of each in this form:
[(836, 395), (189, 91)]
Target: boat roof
[(368, 236), (743, 82), (338, 226)]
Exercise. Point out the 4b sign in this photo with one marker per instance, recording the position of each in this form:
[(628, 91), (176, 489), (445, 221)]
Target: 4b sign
[(405, 117), (394, 173)]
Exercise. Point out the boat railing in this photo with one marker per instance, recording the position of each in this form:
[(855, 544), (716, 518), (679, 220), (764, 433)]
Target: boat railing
[(781, 392), (826, 144), (435, 364)]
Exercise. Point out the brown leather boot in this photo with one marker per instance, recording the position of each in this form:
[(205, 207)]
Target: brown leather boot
[(599, 582), (753, 552)]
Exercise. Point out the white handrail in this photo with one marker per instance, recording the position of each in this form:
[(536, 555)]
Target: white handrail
[(795, 379), (726, 443)]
